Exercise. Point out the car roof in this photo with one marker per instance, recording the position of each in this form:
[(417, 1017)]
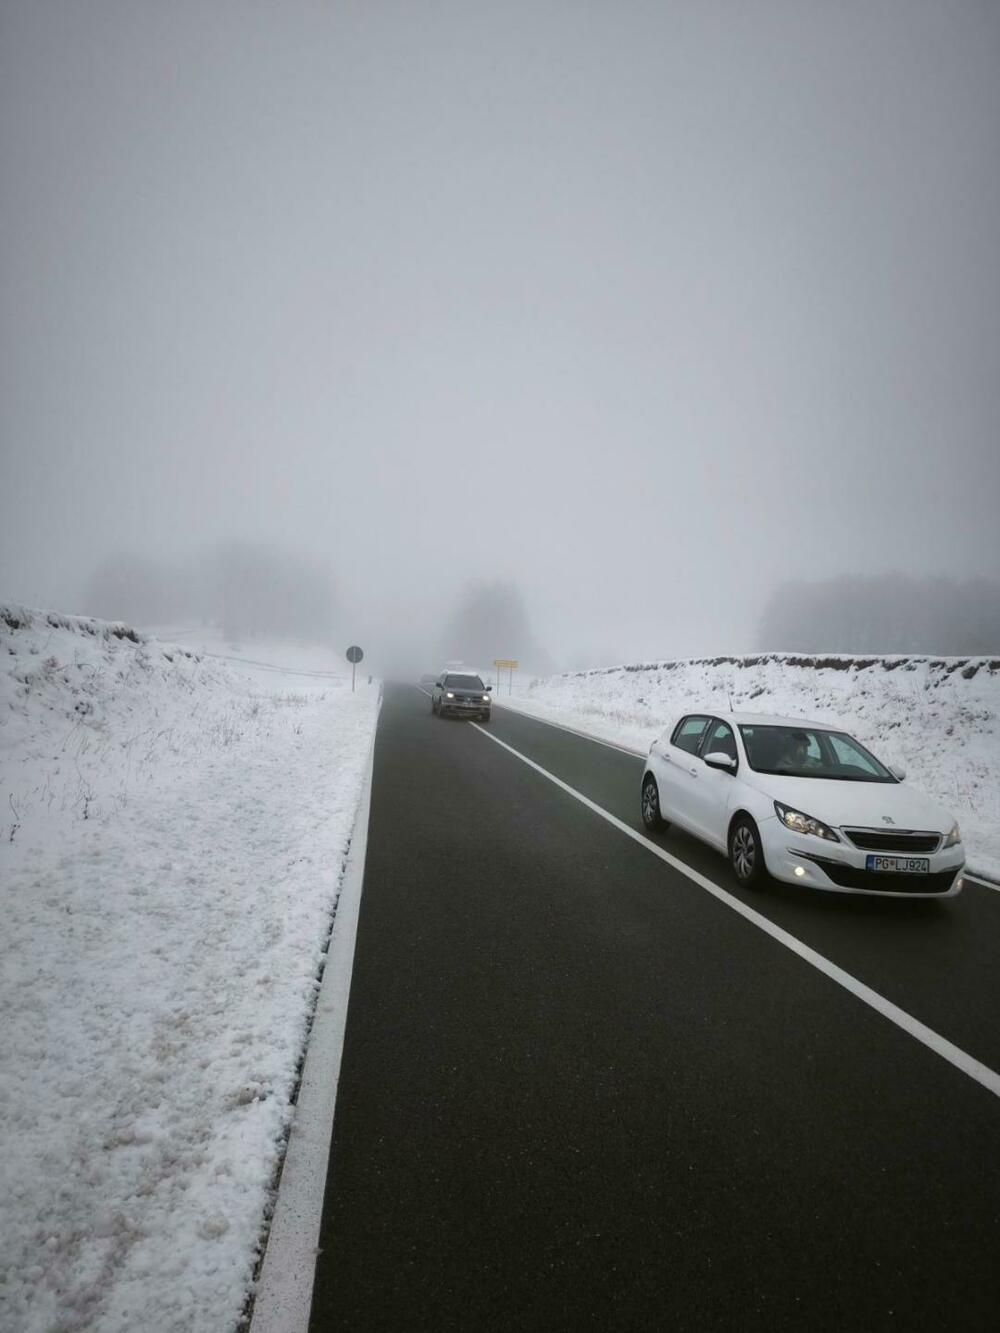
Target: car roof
[(760, 719)]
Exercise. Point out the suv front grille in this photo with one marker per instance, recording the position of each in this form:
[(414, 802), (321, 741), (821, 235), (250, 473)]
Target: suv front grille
[(907, 841)]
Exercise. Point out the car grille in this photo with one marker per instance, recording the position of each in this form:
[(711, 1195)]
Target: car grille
[(907, 841), (852, 877)]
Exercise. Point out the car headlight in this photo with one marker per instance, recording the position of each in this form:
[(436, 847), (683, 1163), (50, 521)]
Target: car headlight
[(800, 823), (486, 698), (954, 837), (449, 696)]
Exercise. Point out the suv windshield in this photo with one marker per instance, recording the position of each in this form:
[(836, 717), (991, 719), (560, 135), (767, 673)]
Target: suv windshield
[(801, 752), (463, 683)]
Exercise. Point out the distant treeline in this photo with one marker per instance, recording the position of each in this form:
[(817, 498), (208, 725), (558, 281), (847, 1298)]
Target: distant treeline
[(890, 613), (491, 622), (249, 588)]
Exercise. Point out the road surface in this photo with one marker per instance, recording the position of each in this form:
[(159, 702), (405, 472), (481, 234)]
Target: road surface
[(579, 1092)]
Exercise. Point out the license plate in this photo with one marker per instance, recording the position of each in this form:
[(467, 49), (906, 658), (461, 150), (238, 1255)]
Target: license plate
[(899, 865)]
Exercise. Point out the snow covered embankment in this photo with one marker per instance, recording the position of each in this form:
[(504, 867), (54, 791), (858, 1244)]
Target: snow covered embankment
[(171, 844), (937, 716)]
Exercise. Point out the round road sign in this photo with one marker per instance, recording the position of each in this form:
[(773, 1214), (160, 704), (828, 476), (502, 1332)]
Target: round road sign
[(354, 653)]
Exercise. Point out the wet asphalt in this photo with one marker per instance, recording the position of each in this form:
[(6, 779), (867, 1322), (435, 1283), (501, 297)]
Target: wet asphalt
[(578, 1092)]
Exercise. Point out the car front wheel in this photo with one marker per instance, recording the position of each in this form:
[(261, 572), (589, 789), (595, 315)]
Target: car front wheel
[(650, 805), (746, 855)]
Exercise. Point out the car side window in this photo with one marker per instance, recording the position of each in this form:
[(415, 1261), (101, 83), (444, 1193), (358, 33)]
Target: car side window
[(720, 740), (688, 733), (848, 755)]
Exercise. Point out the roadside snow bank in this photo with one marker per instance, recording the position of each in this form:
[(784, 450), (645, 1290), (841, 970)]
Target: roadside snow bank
[(936, 716), (172, 838)]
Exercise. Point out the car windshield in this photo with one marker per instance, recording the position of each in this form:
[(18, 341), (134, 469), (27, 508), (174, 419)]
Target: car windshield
[(802, 752), (463, 683)]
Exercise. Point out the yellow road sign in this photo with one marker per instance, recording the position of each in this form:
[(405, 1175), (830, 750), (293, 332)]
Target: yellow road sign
[(510, 662)]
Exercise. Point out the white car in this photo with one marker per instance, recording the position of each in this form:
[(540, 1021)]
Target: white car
[(803, 802)]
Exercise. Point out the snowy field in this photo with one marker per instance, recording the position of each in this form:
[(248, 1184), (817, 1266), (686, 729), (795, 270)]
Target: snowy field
[(172, 834), (938, 717)]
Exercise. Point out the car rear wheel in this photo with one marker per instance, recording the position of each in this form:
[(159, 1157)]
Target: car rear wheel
[(650, 805), (746, 855)]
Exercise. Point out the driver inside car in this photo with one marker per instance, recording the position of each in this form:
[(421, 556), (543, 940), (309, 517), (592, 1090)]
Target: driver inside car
[(797, 756)]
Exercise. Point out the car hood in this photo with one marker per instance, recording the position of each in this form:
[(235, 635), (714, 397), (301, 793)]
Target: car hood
[(867, 804)]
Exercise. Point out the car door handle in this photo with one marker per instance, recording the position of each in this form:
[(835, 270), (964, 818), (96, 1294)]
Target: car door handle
[(693, 772)]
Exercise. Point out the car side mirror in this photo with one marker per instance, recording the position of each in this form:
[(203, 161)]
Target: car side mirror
[(717, 759), (488, 688), (897, 771)]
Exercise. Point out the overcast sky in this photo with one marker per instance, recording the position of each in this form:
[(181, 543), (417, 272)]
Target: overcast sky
[(645, 306)]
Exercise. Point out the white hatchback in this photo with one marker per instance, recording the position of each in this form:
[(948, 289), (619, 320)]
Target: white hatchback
[(803, 802)]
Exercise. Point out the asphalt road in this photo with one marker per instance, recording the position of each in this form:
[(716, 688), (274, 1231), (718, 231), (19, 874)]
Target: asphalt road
[(577, 1091)]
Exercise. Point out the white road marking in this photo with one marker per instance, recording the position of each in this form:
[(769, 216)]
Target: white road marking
[(983, 883), (961, 1060), (284, 1291), (641, 754), (575, 731)]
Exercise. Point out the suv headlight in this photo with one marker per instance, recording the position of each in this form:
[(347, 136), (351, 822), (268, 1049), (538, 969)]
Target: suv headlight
[(449, 696), (954, 837), (800, 823), (486, 698)]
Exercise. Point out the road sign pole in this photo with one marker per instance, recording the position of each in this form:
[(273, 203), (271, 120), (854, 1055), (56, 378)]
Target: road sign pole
[(354, 656)]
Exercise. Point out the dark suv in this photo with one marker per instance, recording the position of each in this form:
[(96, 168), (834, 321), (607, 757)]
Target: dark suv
[(461, 693)]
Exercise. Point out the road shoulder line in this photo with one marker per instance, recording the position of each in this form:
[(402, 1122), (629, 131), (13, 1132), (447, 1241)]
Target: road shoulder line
[(641, 754), (575, 731), (961, 1060), (284, 1291)]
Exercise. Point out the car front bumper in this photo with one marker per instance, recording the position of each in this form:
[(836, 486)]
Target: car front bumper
[(465, 707), (838, 867)]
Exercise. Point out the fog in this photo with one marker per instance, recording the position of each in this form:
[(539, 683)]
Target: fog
[(626, 314)]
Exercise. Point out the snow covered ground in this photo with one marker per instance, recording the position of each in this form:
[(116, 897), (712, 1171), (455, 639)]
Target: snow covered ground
[(172, 834), (936, 716), (260, 659)]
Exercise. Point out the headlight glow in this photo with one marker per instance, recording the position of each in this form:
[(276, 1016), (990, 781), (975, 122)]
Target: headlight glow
[(486, 698), (954, 837), (800, 823), (449, 695)]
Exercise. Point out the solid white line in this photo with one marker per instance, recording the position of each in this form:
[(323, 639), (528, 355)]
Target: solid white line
[(641, 754), (983, 883), (575, 731), (967, 875), (981, 1073), (561, 726), (284, 1291)]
